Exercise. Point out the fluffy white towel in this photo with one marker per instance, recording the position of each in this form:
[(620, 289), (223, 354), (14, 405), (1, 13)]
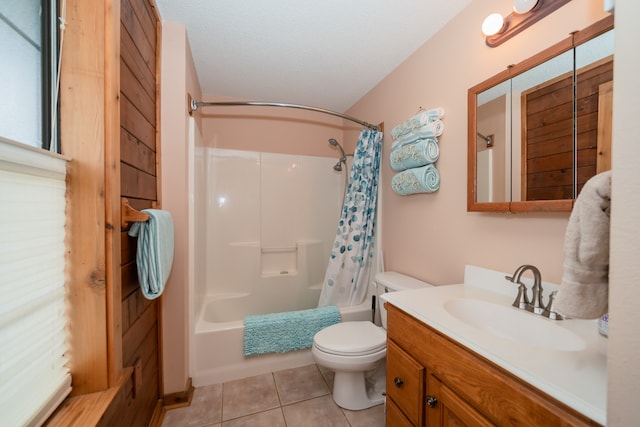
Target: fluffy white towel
[(584, 289)]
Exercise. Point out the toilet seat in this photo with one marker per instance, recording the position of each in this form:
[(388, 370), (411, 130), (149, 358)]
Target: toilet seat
[(351, 339)]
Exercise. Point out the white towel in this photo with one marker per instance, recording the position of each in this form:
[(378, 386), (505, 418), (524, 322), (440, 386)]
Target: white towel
[(154, 256), (584, 289)]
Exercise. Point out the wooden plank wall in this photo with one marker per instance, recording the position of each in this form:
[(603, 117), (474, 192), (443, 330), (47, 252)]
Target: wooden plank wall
[(548, 110), (139, 184)]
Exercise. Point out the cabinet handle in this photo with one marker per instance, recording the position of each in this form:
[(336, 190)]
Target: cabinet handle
[(432, 401), (398, 382)]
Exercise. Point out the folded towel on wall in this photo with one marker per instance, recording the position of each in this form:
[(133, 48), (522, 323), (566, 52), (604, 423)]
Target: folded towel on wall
[(417, 180), (584, 289), (282, 332), (417, 121), (430, 130), (421, 153), (154, 256)]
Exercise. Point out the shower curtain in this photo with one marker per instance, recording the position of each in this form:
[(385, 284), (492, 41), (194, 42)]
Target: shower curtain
[(347, 277)]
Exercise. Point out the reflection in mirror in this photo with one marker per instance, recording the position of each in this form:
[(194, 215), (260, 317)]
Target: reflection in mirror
[(493, 161), (549, 123), (542, 134), (594, 106)]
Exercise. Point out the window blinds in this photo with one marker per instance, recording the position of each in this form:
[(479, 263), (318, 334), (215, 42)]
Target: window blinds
[(34, 378)]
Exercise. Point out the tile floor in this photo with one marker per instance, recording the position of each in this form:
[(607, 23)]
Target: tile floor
[(299, 397)]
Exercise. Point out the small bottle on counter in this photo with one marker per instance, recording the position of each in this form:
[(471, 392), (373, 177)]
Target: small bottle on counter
[(603, 325)]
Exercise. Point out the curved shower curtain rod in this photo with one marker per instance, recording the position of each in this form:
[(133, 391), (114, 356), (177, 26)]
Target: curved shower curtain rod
[(194, 104)]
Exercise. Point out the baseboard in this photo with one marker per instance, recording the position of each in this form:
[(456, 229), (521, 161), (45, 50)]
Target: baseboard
[(179, 399), (158, 415)]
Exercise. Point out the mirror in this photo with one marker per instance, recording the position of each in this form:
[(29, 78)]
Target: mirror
[(540, 129)]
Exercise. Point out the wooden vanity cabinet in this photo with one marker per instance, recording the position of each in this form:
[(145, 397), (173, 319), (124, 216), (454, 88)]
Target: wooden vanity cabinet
[(435, 381)]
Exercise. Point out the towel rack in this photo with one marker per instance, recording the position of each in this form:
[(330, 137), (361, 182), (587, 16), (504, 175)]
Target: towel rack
[(129, 214)]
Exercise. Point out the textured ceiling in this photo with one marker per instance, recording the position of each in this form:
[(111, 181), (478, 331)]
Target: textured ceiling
[(323, 53)]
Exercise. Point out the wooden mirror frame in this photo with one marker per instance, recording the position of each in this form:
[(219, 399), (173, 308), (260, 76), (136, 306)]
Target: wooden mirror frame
[(562, 205)]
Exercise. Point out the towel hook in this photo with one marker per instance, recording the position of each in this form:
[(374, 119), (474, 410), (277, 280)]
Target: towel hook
[(129, 214)]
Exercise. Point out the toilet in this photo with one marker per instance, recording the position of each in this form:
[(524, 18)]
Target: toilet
[(356, 351)]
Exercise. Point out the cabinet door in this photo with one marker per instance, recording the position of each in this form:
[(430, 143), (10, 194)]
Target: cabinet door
[(405, 383), (445, 408), (395, 417)]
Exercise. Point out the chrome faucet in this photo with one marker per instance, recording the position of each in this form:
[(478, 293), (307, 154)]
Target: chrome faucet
[(535, 305)]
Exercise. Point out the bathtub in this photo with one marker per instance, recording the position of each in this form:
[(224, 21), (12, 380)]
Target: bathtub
[(218, 341)]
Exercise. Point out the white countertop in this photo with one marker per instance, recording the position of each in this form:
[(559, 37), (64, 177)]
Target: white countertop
[(577, 378)]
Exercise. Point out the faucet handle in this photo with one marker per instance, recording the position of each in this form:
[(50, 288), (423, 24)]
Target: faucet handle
[(522, 300), (548, 311)]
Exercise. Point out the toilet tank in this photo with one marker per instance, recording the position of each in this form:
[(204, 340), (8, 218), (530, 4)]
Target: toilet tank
[(391, 281)]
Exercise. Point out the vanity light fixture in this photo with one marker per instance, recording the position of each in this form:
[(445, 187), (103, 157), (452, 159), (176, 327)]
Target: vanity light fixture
[(525, 13), (492, 24)]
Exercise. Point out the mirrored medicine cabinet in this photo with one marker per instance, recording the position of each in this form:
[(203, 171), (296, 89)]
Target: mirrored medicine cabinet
[(541, 128)]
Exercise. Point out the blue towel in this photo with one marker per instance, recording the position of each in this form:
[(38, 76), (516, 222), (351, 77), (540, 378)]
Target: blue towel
[(417, 180), (282, 332), (429, 130), (423, 152), (155, 251), (417, 121)]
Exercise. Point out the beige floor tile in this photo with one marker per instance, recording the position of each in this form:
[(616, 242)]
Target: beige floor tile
[(318, 412), (328, 376), (249, 396), (298, 384), (205, 409), (371, 417), (271, 418)]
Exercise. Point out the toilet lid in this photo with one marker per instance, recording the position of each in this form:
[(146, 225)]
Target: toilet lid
[(351, 339)]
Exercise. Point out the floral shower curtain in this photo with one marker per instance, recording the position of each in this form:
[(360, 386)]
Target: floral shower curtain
[(347, 277)]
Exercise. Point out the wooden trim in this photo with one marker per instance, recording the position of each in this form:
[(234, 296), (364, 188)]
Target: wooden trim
[(158, 415), (592, 31), (128, 214), (112, 188), (179, 399), (605, 122), (88, 409), (82, 118)]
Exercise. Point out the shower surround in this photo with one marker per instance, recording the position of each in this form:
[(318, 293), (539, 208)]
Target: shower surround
[(265, 224)]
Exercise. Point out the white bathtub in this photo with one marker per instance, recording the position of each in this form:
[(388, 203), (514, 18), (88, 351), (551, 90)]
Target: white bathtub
[(218, 342)]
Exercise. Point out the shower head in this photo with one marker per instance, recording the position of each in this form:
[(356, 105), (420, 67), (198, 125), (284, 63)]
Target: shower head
[(337, 144), (338, 166)]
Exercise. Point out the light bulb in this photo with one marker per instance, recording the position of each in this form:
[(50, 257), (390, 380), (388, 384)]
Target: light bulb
[(492, 24), (524, 6)]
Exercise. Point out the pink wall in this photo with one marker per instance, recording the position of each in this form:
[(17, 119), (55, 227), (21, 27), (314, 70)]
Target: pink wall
[(432, 236), (270, 129), (178, 79)]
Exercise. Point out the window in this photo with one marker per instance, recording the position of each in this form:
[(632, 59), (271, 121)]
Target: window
[(28, 75), (34, 378)]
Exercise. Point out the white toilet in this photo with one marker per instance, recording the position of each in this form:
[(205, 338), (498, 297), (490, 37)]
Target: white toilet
[(356, 351)]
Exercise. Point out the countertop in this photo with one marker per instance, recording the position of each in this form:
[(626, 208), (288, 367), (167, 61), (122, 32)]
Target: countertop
[(578, 378)]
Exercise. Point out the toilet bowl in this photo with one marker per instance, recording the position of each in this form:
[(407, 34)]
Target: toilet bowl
[(356, 351)]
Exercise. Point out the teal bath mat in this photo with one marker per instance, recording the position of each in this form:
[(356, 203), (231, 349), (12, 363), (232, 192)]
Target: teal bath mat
[(282, 332)]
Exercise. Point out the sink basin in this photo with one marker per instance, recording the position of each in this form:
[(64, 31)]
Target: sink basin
[(514, 324)]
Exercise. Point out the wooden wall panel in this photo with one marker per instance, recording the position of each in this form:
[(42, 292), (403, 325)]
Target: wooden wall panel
[(138, 183), (548, 135)]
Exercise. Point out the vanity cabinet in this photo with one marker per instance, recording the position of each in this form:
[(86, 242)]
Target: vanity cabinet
[(435, 381)]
